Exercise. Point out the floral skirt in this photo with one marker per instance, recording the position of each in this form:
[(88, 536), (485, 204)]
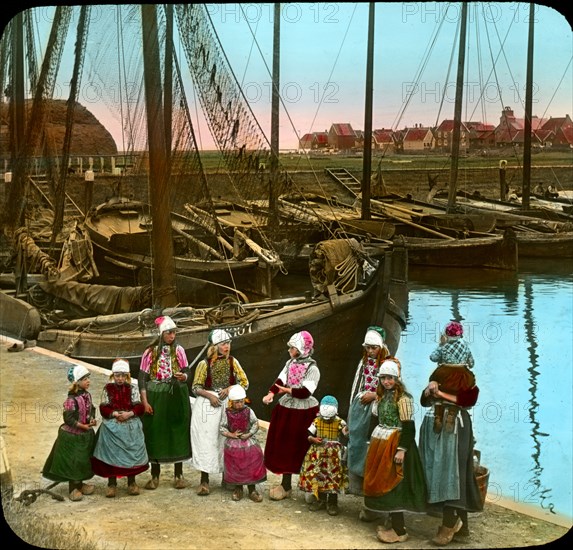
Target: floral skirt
[(323, 470)]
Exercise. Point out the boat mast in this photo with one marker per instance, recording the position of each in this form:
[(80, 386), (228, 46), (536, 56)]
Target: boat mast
[(162, 243), (367, 156), (17, 117), (458, 112), (526, 190), (275, 105)]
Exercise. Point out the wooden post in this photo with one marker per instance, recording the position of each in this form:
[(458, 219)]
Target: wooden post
[(502, 184)]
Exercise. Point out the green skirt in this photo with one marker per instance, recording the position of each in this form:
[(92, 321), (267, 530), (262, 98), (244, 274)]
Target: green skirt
[(70, 457), (167, 430)]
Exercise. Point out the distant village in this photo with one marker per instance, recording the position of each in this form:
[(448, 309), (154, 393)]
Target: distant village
[(476, 137)]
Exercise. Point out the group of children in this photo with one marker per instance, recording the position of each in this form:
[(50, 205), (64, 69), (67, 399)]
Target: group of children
[(153, 423)]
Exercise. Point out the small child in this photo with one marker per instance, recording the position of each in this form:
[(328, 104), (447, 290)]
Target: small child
[(455, 360), (323, 471), (120, 448), (69, 459), (243, 457)]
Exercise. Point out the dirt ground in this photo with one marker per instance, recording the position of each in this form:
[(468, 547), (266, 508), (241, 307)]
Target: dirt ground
[(32, 389)]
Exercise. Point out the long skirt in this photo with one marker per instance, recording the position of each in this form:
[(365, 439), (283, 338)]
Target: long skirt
[(391, 487), (120, 449), (360, 425), (287, 439), (167, 429), (206, 439), (448, 464), (323, 470), (69, 459), (244, 462)]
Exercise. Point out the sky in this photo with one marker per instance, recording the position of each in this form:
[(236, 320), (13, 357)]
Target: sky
[(323, 64)]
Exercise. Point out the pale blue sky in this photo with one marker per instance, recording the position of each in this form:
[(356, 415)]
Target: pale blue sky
[(323, 63)]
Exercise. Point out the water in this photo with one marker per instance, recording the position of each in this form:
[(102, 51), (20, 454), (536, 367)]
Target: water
[(520, 329)]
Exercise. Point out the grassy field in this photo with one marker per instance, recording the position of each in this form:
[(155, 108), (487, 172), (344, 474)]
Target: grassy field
[(293, 161)]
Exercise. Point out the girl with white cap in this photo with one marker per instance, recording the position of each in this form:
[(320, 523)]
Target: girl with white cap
[(120, 448), (363, 395), (214, 377), (323, 472), (244, 463), (393, 474), (287, 441), (164, 393), (70, 457)]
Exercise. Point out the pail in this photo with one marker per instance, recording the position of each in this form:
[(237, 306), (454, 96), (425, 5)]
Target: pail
[(482, 478)]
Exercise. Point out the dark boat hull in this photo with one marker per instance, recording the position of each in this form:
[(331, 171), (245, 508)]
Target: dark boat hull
[(495, 252), (545, 245), (337, 323)]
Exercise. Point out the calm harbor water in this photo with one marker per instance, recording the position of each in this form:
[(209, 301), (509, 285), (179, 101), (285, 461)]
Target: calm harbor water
[(520, 330)]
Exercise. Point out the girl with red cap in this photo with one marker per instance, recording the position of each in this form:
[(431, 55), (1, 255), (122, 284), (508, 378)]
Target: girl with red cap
[(164, 393)]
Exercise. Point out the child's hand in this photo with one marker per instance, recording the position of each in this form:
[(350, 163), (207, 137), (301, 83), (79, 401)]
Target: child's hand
[(431, 388), (284, 389), (93, 422), (244, 436), (148, 408), (315, 440), (236, 435)]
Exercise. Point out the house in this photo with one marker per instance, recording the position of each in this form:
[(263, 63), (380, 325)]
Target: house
[(341, 136), (444, 136), (417, 139), (562, 129), (481, 136), (305, 142), (383, 140), (320, 140), (314, 140), (507, 128), (507, 131)]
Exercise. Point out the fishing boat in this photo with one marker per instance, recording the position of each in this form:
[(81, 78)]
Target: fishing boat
[(260, 329), (431, 236), (541, 231), (120, 230), (336, 305)]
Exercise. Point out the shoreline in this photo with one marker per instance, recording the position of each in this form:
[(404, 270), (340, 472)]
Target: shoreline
[(529, 510)]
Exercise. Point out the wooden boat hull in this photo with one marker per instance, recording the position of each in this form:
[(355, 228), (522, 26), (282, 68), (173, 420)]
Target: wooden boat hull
[(496, 252), (545, 245), (18, 318), (122, 248), (337, 323)]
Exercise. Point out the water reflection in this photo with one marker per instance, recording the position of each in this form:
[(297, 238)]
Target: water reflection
[(545, 494), (519, 328)]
